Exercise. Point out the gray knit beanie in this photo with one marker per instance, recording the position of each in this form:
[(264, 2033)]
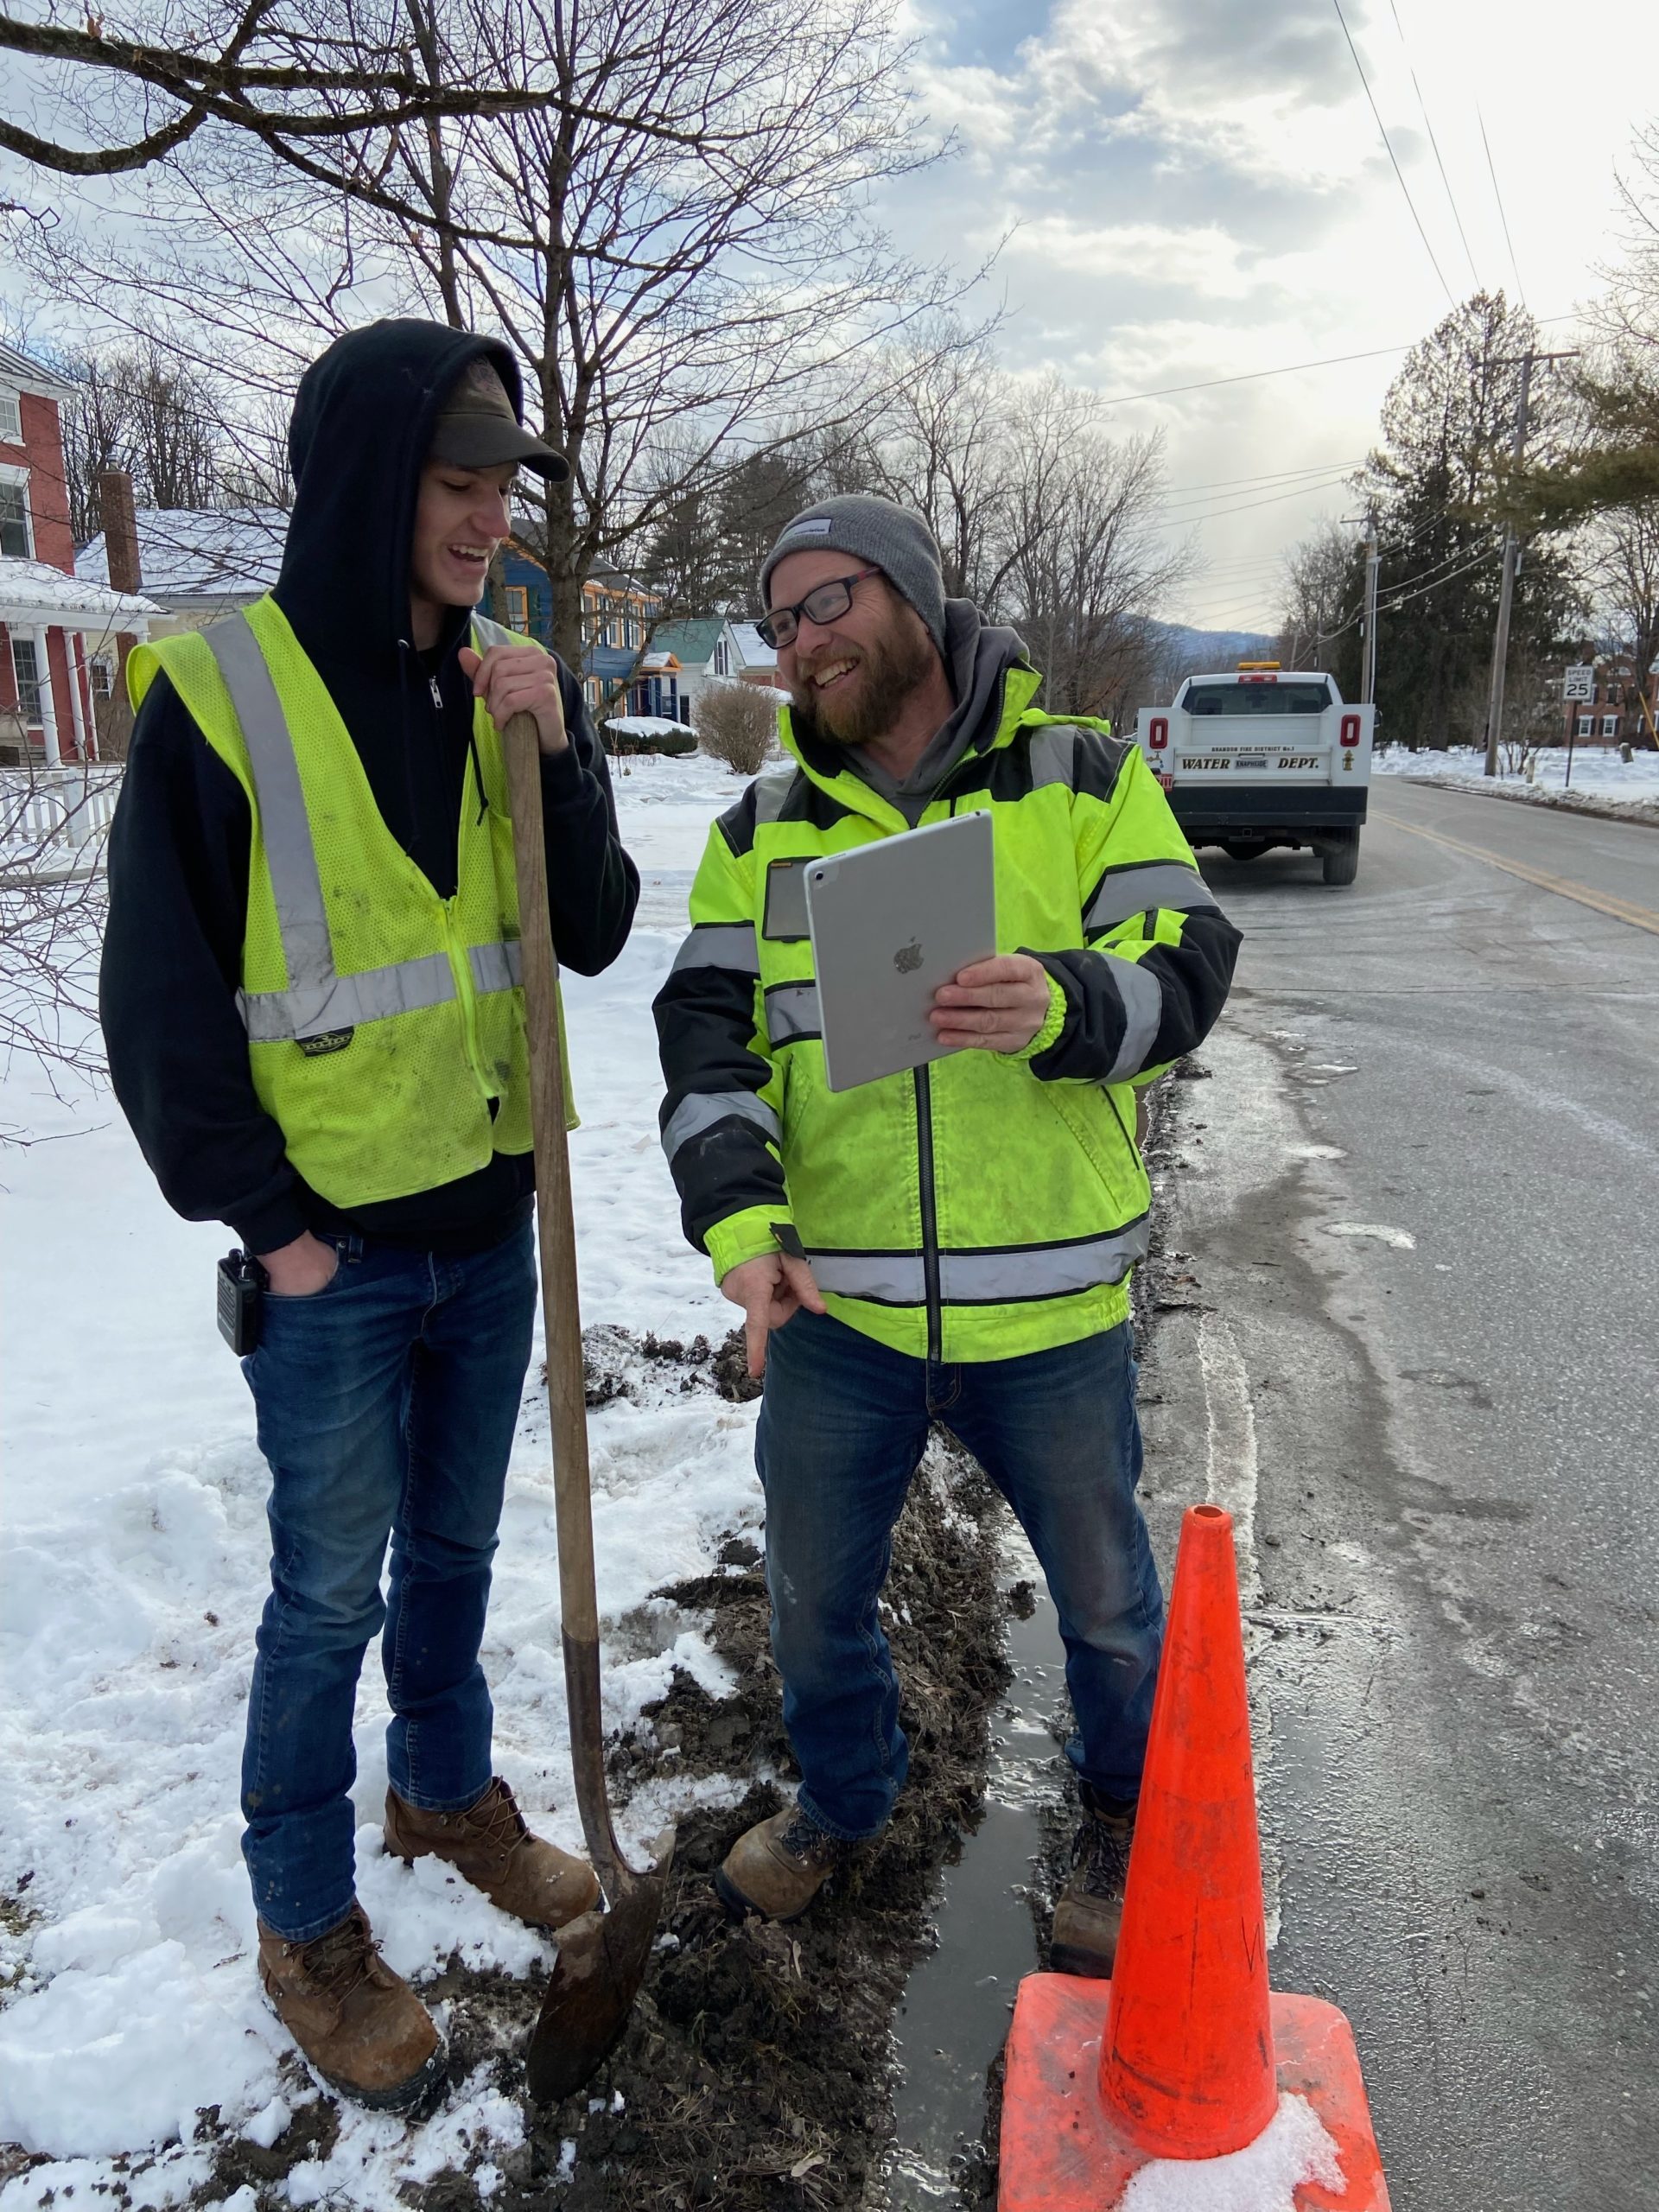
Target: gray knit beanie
[(892, 539)]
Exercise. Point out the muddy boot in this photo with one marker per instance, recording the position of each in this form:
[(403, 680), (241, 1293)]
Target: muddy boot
[(490, 1845), (361, 2025), (1090, 1909), (778, 1866)]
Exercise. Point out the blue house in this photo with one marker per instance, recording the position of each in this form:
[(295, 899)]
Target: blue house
[(617, 611)]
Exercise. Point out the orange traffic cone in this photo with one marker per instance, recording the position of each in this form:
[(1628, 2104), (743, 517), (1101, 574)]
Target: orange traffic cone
[(1184, 2053)]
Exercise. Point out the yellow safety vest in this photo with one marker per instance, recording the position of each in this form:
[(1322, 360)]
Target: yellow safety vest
[(385, 1024)]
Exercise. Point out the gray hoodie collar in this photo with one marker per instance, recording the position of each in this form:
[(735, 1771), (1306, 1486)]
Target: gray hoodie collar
[(979, 655)]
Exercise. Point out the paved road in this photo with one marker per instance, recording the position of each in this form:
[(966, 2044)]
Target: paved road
[(1421, 1197)]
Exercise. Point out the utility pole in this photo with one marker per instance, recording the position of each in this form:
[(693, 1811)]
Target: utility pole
[(1511, 553), (1368, 658)]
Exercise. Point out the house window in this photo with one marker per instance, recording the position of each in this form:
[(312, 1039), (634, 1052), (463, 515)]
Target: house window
[(1610, 725), (1586, 725), (27, 670), (17, 539), (722, 659), (101, 669), (517, 599), (11, 419)]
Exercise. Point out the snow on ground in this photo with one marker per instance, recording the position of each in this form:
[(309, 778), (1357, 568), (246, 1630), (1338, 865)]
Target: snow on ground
[(1598, 770), (134, 1567)]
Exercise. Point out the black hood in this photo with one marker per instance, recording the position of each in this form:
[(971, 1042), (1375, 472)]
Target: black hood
[(362, 422), (362, 425)]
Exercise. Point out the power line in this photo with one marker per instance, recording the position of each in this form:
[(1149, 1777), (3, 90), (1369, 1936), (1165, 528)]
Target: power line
[(1423, 107), (1444, 571), (1277, 499), (1388, 142), (1491, 169), (1252, 376), (1289, 369), (1270, 476)]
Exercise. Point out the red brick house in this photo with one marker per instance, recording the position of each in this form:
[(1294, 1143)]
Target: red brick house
[(61, 640)]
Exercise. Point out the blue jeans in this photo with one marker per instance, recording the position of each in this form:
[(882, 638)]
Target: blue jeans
[(843, 1423), (386, 1406)]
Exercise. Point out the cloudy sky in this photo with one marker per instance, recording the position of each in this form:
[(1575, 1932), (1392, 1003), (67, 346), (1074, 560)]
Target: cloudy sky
[(1198, 188)]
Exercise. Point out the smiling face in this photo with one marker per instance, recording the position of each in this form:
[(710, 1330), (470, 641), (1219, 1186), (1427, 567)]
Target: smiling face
[(461, 517), (848, 679)]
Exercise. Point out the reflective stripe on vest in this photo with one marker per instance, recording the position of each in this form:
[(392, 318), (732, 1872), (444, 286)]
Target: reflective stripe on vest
[(318, 1002), (996, 1278), (721, 945), (792, 1012), (1141, 889), (1143, 1010), (772, 793), (704, 1109)]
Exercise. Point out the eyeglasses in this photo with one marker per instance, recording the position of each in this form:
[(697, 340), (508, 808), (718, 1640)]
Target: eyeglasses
[(824, 603)]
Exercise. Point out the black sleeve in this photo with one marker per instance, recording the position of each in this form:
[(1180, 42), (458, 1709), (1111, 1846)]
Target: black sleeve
[(1191, 978), (592, 886), (178, 862)]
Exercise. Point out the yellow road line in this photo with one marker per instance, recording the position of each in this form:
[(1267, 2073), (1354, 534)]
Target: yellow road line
[(1622, 910)]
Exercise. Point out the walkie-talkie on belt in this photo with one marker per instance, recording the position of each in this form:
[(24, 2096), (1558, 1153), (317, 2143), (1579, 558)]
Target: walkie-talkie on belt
[(242, 1286)]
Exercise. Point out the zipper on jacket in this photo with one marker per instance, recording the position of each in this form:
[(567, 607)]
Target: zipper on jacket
[(929, 1214)]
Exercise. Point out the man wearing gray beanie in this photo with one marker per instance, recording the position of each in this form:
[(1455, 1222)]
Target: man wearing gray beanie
[(954, 1242)]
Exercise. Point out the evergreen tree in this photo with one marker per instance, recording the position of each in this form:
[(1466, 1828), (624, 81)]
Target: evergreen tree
[(1448, 425)]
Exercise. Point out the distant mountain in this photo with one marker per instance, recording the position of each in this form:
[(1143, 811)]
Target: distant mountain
[(1208, 652)]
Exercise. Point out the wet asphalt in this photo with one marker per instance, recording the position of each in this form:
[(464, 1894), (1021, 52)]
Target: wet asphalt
[(1417, 1355)]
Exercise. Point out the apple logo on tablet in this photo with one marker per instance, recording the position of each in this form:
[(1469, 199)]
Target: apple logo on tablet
[(908, 958)]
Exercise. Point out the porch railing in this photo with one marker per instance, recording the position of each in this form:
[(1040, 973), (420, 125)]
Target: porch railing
[(46, 812)]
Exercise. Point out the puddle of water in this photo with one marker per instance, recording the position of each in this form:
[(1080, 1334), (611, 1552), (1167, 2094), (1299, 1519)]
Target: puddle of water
[(954, 2018)]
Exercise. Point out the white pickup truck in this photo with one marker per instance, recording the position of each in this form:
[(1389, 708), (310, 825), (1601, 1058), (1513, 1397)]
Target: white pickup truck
[(1261, 758)]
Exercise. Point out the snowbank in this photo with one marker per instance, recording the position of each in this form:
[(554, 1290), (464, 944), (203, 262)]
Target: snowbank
[(133, 1568), (1598, 770)]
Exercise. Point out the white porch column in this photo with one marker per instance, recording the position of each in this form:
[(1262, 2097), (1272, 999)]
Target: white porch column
[(49, 705), (77, 711)]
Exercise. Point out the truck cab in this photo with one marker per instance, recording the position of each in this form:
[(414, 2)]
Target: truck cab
[(1262, 757)]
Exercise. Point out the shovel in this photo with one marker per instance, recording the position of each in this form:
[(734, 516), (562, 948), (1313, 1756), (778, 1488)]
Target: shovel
[(601, 1955)]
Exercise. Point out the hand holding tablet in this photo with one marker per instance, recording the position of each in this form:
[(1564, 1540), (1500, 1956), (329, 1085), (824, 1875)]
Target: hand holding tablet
[(998, 1005)]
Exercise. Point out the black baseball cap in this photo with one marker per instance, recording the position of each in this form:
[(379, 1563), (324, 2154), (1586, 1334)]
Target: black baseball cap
[(479, 429)]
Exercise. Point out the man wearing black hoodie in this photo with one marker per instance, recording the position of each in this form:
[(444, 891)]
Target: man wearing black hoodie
[(309, 997)]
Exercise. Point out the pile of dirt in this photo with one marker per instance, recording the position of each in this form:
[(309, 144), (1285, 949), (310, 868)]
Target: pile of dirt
[(754, 2072), (617, 1363)]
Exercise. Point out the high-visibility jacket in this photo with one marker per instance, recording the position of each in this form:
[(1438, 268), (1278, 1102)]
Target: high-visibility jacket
[(986, 1205), (385, 1024)]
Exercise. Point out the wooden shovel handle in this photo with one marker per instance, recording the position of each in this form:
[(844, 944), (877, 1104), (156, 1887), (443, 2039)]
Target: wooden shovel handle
[(557, 1232)]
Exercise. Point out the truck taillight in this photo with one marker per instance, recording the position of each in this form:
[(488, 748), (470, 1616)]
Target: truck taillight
[(1157, 732), (1350, 729)]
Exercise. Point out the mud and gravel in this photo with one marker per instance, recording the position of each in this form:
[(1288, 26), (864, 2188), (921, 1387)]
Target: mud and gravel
[(754, 2072)]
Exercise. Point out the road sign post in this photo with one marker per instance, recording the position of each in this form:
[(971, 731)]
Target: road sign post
[(1578, 689)]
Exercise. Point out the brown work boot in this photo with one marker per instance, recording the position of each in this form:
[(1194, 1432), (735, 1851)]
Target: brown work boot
[(490, 1845), (777, 1867), (1090, 1910), (361, 2025)]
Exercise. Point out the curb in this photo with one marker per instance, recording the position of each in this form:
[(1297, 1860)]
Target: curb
[(1644, 812)]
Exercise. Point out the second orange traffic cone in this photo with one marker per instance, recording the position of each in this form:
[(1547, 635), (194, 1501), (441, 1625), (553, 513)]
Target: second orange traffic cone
[(1185, 2052)]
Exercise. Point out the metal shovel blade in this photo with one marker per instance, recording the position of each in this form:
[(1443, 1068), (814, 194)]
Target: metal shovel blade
[(602, 1960)]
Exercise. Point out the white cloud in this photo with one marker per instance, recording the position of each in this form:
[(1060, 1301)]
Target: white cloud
[(1197, 190)]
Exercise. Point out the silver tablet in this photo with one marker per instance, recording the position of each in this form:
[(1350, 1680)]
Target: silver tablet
[(889, 923)]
